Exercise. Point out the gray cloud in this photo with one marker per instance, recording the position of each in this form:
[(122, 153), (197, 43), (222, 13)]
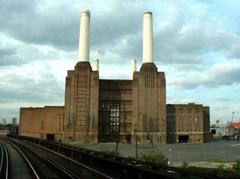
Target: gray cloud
[(176, 41), (8, 56), (222, 99), (8, 113), (219, 75), (39, 23), (25, 89), (189, 46), (112, 33)]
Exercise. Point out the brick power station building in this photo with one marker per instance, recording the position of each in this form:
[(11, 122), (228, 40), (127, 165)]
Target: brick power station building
[(100, 110)]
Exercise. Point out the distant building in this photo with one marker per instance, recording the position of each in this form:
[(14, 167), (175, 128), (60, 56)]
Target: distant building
[(14, 121), (4, 122), (4, 132), (219, 130), (187, 123), (234, 129)]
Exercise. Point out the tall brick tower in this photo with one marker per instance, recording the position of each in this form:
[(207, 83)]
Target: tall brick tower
[(82, 92), (149, 94)]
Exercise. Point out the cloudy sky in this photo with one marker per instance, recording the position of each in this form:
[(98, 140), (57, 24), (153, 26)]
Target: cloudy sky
[(196, 44)]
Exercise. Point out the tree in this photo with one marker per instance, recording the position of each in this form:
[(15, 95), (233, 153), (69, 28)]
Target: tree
[(4, 121)]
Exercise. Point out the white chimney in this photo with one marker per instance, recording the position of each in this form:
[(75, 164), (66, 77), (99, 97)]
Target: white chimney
[(96, 65), (133, 66), (84, 37), (147, 38)]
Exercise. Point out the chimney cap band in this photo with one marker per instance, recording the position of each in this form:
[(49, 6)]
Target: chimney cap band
[(86, 12), (147, 13)]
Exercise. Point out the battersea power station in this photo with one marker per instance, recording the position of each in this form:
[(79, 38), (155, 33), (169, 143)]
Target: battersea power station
[(105, 110)]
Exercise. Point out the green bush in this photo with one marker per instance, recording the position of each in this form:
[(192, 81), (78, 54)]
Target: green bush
[(236, 166), (153, 157), (221, 167), (184, 165), (211, 172)]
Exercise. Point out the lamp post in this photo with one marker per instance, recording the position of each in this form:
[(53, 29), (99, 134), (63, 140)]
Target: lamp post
[(118, 127), (117, 139), (137, 142), (169, 161)]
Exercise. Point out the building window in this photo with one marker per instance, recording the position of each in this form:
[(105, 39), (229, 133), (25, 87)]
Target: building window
[(102, 106), (114, 117)]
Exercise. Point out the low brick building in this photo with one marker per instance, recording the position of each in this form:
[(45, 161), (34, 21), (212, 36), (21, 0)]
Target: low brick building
[(187, 123), (42, 122)]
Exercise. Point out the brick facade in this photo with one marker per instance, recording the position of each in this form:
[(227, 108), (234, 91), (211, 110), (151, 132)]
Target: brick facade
[(42, 122), (187, 123), (98, 110), (81, 104)]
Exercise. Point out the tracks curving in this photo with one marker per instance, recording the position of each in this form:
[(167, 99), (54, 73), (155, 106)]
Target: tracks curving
[(50, 164), (4, 163), (14, 163)]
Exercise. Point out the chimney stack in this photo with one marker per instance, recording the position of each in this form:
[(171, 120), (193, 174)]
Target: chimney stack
[(147, 38), (96, 65), (84, 37), (133, 66)]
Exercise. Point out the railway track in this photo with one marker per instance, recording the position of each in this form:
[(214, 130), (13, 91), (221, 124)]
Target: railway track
[(14, 163), (71, 168), (50, 164)]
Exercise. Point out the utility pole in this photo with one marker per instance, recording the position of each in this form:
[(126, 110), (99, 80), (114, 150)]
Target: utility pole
[(117, 132), (117, 139), (137, 141), (233, 115)]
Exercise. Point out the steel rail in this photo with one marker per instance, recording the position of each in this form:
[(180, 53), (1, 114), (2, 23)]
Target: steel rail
[(2, 157), (61, 168), (25, 159), (64, 158), (74, 161), (5, 161)]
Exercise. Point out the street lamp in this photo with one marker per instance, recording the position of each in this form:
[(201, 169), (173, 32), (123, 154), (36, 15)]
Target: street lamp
[(117, 138), (137, 139), (169, 161)]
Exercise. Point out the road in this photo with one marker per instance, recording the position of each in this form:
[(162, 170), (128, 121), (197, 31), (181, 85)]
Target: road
[(221, 151)]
